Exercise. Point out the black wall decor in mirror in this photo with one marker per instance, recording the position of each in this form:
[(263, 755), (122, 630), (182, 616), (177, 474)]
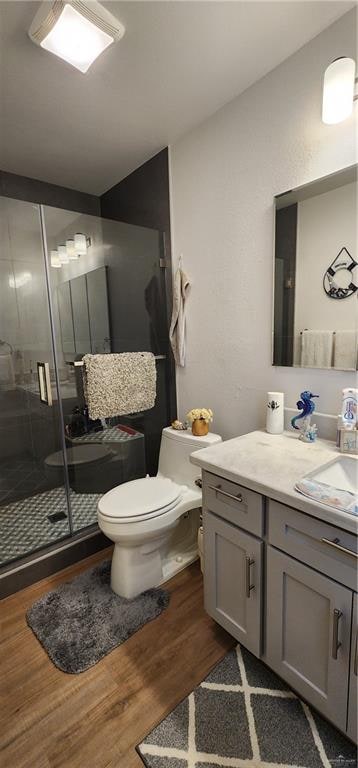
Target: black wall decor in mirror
[(339, 280)]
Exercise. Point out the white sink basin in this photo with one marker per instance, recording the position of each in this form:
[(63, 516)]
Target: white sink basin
[(334, 484), (341, 473)]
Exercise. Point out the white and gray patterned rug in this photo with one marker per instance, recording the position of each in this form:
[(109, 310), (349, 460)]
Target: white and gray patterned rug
[(244, 716), (25, 525)]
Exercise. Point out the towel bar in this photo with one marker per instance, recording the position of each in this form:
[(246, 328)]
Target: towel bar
[(79, 363)]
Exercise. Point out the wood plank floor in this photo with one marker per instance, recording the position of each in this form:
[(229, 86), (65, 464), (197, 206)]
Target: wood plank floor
[(49, 719)]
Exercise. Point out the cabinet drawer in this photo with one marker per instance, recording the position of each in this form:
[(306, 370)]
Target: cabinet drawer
[(324, 547), (234, 503)]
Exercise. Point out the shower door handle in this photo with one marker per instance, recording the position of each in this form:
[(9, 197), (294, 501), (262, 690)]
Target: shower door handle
[(43, 374)]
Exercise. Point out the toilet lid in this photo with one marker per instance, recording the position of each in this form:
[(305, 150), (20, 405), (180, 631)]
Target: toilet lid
[(139, 498)]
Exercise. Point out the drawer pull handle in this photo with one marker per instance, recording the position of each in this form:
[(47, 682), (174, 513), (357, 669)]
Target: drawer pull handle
[(218, 489), (337, 615), (248, 563), (355, 666), (335, 543)]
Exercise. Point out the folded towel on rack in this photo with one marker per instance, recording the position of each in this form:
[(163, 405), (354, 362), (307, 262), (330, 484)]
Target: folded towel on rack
[(119, 384), (316, 351), (345, 349), (177, 326)]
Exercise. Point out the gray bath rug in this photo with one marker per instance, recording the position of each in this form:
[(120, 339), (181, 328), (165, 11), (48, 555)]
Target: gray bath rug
[(81, 621), (243, 716)]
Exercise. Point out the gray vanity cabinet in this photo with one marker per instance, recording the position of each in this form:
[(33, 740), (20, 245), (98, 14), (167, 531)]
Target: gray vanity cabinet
[(353, 680), (283, 583), (308, 633), (232, 586)]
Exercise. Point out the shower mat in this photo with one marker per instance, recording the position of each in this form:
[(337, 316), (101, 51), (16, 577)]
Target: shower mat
[(243, 715), (80, 622)]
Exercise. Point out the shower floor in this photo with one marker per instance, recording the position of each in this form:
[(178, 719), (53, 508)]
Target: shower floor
[(25, 527)]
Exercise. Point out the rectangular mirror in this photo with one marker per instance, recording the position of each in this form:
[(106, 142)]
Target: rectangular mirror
[(316, 274), (84, 314)]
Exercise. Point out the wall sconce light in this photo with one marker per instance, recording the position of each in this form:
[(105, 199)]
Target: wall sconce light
[(62, 254), (338, 90), (71, 250), (55, 260), (80, 244), (75, 30)]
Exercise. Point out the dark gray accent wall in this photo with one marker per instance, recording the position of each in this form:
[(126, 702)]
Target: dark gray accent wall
[(142, 198), (35, 191)]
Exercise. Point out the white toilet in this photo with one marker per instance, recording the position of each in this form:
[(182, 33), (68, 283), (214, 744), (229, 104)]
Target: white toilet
[(148, 519)]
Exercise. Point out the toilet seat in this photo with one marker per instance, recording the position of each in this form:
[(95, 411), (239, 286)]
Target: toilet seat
[(140, 500)]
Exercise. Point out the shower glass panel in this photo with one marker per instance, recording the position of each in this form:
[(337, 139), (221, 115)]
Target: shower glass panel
[(33, 500), (104, 292), (108, 295)]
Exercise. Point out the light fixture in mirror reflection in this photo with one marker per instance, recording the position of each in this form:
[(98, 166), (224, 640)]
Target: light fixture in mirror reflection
[(80, 244), (19, 280), (71, 250), (316, 262), (55, 260), (62, 254)]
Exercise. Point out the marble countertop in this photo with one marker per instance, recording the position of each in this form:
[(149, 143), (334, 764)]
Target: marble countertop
[(271, 465)]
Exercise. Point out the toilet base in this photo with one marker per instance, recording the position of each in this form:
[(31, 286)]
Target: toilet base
[(138, 568), (135, 569)]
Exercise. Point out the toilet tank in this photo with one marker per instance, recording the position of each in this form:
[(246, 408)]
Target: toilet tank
[(175, 449)]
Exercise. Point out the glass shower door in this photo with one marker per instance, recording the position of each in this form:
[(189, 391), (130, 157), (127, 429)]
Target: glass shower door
[(34, 511), (108, 295)]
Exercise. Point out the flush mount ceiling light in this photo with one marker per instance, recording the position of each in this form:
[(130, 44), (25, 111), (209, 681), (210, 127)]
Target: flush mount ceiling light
[(338, 90), (77, 31)]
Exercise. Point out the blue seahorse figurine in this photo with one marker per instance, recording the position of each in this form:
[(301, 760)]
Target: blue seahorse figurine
[(307, 406)]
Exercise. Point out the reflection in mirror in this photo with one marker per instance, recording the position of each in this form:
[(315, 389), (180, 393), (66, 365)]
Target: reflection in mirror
[(84, 315), (316, 274)]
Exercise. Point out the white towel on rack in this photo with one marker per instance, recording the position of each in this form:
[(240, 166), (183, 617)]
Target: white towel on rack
[(345, 350), (177, 330), (317, 347)]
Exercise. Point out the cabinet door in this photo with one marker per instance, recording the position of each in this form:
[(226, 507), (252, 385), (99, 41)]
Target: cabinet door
[(308, 633), (232, 581), (353, 692)]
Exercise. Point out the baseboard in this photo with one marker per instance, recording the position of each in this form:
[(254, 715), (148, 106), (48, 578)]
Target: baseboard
[(27, 571)]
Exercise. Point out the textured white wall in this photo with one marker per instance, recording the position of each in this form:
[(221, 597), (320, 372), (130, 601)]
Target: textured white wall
[(224, 176)]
